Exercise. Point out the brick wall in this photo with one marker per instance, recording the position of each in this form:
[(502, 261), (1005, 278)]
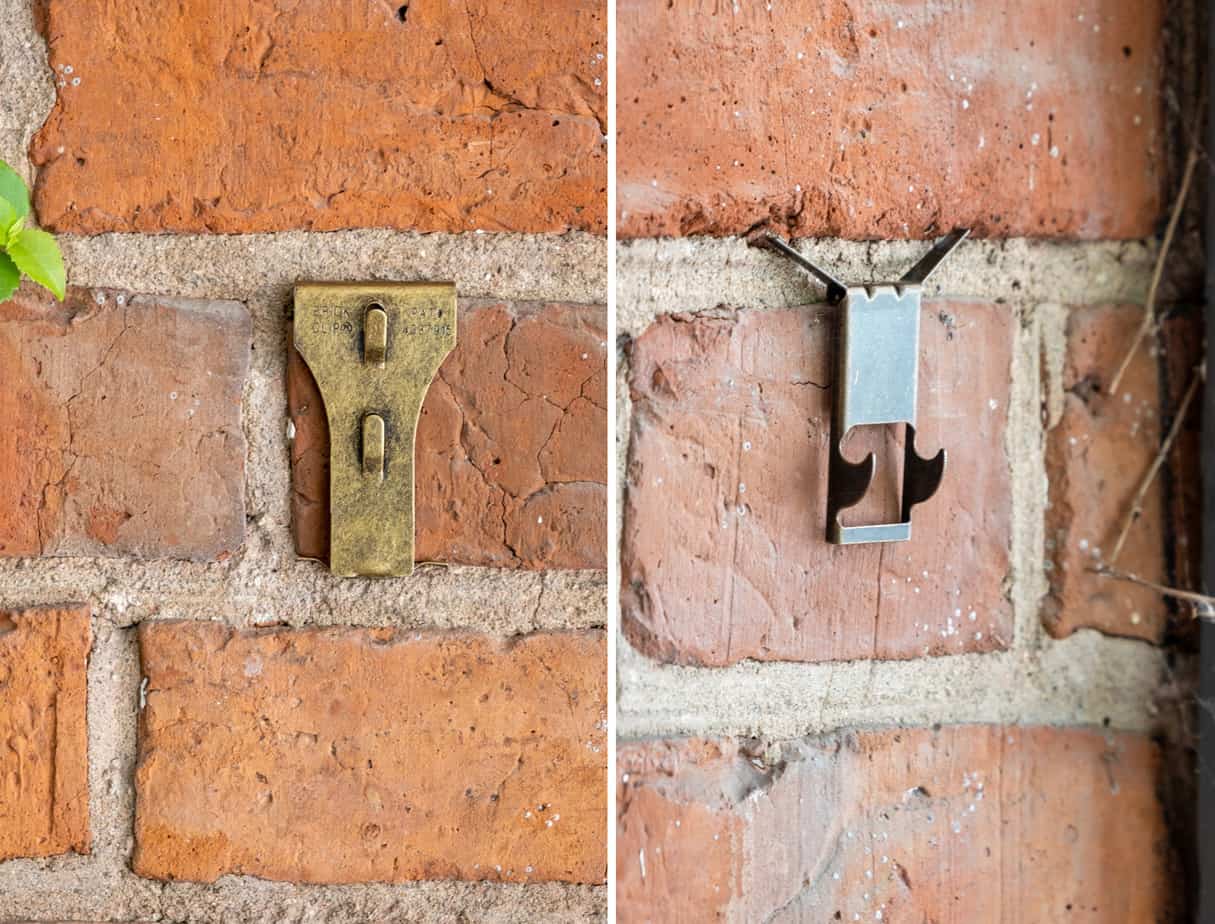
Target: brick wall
[(969, 726), (199, 722)]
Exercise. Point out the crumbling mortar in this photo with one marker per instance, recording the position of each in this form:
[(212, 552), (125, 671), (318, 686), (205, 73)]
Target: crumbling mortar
[(664, 276)]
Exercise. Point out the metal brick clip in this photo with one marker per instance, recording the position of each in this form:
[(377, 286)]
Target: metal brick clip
[(374, 349), (877, 373)]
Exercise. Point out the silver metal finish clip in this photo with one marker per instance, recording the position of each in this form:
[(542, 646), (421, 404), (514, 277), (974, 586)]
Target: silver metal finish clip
[(876, 378)]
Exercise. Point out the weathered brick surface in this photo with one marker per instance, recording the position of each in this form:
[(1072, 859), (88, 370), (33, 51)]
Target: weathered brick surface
[(264, 116), (876, 119), (970, 823), (511, 458), (368, 755), (44, 785), (675, 788), (724, 553), (122, 431), (1096, 456)]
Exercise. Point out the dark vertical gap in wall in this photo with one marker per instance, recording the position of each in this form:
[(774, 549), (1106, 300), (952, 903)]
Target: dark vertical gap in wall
[(1205, 724), (1186, 290)]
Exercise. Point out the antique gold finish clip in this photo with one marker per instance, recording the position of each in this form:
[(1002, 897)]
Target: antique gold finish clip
[(374, 349)]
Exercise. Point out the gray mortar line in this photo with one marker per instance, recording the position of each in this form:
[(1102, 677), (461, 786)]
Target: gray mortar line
[(1024, 451), (263, 590), (1086, 679), (92, 894), (569, 267), (27, 82), (664, 276)]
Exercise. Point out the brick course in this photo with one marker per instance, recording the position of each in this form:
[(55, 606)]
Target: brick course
[(122, 427), (511, 459), (877, 119), (267, 117), (967, 823), (356, 755), (44, 785), (724, 554)]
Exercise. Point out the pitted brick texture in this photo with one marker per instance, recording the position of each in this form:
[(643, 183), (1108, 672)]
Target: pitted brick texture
[(724, 554), (1097, 454), (891, 118), (265, 116), (44, 786), (511, 457), (967, 823), (122, 430), (675, 788), (346, 756)]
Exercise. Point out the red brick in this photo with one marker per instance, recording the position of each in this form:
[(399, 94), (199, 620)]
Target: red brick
[(44, 773), (876, 119), (1096, 456), (123, 431), (674, 788), (724, 554), (356, 755), (264, 116), (511, 445), (969, 823)]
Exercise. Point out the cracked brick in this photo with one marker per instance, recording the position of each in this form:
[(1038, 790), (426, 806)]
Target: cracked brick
[(871, 120), (724, 555), (511, 454), (963, 823), (124, 434), (44, 789), (263, 116), (352, 755)]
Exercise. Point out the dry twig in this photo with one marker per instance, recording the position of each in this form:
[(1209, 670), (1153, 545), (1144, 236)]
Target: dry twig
[(1204, 606), (1149, 309), (1200, 374)]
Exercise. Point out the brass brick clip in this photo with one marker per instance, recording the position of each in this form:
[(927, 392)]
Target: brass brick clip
[(374, 349)]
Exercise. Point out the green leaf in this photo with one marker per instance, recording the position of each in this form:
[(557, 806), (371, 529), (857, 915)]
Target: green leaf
[(13, 191), (37, 255), (10, 276), (10, 235), (8, 218)]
